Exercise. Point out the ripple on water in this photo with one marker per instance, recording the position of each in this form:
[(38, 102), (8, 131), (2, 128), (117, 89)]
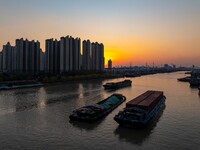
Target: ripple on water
[(38, 118)]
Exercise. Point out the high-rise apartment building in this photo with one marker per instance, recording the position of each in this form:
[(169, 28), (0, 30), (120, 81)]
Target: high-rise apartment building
[(76, 55), (1, 62), (109, 64), (8, 56), (63, 56), (97, 57), (86, 62), (28, 56), (52, 56)]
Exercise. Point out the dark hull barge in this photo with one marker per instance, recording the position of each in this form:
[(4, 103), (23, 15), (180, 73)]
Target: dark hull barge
[(117, 85), (140, 111), (185, 79), (99, 110), (194, 82)]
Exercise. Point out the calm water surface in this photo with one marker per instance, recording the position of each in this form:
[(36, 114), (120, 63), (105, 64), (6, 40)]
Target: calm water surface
[(37, 118)]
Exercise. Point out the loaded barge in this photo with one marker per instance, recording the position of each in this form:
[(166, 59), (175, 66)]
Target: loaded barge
[(117, 85), (141, 110), (97, 111), (185, 79)]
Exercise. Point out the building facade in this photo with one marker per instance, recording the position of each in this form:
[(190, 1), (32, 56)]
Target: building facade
[(109, 64), (61, 56), (86, 63), (8, 58), (52, 56), (28, 56), (97, 57), (24, 57)]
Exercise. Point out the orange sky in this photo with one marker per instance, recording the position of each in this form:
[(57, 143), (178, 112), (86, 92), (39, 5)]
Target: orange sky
[(133, 32)]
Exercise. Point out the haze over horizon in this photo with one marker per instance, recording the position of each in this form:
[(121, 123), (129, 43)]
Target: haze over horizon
[(133, 31)]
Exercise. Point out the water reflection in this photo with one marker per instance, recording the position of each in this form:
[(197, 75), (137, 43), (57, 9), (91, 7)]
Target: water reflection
[(26, 100), (81, 90), (31, 98), (42, 97), (63, 94), (87, 91), (116, 90), (80, 93), (48, 125), (86, 126), (138, 136)]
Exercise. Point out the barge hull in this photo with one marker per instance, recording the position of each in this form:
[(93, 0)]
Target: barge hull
[(141, 111), (136, 125), (100, 114)]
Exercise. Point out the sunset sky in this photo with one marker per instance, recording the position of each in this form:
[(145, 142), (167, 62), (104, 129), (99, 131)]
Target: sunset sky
[(133, 31)]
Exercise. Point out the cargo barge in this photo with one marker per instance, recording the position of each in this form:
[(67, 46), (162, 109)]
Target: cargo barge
[(195, 82), (97, 111), (140, 111), (185, 79), (117, 85)]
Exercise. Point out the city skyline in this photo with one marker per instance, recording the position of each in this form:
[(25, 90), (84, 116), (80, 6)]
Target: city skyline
[(132, 31), (60, 57)]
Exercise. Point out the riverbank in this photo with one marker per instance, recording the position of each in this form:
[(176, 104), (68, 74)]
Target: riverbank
[(41, 80), (49, 80), (16, 81), (193, 79), (54, 79)]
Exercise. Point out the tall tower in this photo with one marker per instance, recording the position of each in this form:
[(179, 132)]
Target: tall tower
[(7, 57), (93, 57), (76, 54), (101, 57), (20, 55), (52, 56), (1, 61), (86, 55), (64, 54), (97, 57), (110, 64), (27, 56), (71, 57)]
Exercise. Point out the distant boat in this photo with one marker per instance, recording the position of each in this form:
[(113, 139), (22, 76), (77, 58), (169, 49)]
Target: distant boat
[(195, 82), (185, 79), (117, 85), (132, 75), (189, 72), (96, 111), (141, 110), (19, 85)]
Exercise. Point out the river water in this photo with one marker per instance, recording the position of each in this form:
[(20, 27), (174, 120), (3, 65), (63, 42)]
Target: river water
[(37, 118)]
